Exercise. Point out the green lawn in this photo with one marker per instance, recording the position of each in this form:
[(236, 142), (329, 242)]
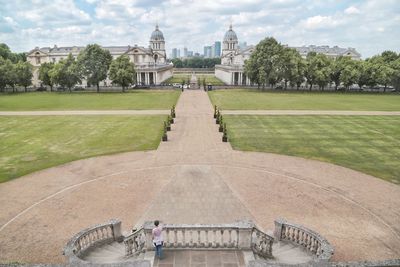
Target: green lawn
[(210, 79), (369, 144), (177, 78), (141, 99), (31, 143), (253, 99)]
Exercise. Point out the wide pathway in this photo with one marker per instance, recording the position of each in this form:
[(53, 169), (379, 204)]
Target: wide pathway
[(196, 178)]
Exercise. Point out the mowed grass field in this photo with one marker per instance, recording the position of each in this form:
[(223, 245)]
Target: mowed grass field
[(31, 143), (210, 79), (254, 99), (369, 144), (141, 99)]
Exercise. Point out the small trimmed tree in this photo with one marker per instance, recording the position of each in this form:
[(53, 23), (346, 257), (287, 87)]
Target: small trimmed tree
[(122, 71)]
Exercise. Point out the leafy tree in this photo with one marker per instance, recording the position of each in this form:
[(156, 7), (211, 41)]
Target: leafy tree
[(396, 74), (4, 65), (44, 74), (122, 71), (291, 67), (337, 67), (317, 70), (349, 73), (264, 65), (94, 63), (6, 53), (24, 73), (66, 73), (297, 75), (363, 69)]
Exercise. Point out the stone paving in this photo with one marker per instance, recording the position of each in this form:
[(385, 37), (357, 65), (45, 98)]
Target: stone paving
[(195, 177), (201, 259)]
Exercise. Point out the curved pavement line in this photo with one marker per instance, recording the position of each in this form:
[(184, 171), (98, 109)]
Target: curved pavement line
[(260, 169), (84, 112), (255, 168), (311, 112)]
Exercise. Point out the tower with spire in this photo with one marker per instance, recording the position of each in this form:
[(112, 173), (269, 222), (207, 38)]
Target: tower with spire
[(229, 47), (157, 44)]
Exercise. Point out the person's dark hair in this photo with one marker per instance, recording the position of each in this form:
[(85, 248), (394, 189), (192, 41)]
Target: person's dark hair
[(156, 223)]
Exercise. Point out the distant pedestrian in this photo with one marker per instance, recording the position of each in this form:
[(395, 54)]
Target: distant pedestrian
[(158, 238)]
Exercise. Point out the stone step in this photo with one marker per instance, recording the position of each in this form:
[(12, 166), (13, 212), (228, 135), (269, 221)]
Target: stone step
[(288, 253)]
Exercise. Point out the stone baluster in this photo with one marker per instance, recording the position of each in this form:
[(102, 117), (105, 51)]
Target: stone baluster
[(191, 238), (184, 238), (230, 238), (175, 238), (198, 238), (206, 244), (167, 239), (214, 243), (222, 238)]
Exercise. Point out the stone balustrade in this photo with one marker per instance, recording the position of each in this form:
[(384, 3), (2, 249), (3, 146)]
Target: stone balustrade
[(239, 235), (300, 235), (261, 243), (90, 238), (135, 243)]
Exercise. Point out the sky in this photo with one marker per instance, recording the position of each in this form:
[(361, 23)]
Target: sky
[(371, 27)]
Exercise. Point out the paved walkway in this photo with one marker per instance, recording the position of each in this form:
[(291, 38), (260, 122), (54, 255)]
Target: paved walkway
[(194, 177), (201, 259)]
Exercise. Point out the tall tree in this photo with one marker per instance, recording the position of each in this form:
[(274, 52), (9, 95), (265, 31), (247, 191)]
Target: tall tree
[(318, 70), (94, 63), (44, 74), (24, 74), (66, 73), (349, 73), (396, 74), (291, 66), (122, 71), (265, 62)]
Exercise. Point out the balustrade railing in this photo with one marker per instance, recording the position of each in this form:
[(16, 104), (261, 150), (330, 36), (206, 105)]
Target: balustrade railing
[(135, 243), (239, 235), (91, 237), (200, 237), (261, 243), (300, 235)]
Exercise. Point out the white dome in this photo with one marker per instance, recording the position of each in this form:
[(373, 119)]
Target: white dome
[(157, 35), (230, 35)]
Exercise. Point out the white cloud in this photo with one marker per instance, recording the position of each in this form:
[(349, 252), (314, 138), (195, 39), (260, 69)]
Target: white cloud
[(321, 22), (352, 10)]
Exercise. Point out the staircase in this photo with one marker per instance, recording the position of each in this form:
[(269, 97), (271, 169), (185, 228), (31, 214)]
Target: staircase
[(109, 253), (283, 252)]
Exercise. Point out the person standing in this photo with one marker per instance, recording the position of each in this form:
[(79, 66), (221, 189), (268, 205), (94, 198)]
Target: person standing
[(158, 240)]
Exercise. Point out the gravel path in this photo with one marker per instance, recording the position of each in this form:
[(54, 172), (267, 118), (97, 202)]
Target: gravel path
[(194, 177)]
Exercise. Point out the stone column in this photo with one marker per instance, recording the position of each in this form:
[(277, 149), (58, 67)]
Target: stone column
[(116, 226), (278, 228), (245, 231), (148, 228)]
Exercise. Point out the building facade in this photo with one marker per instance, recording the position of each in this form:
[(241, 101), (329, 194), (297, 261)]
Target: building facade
[(150, 63), (233, 57)]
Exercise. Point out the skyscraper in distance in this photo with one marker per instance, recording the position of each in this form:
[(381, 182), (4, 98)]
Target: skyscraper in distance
[(217, 45)]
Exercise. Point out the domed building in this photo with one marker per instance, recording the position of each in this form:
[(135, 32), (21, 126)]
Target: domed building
[(150, 63), (231, 70)]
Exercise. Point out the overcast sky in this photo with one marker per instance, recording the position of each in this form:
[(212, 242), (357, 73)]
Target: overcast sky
[(369, 26)]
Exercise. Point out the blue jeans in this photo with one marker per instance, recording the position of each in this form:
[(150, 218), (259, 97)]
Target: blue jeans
[(159, 250)]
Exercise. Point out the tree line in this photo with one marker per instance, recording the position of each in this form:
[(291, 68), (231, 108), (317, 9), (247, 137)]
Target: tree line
[(14, 70), (272, 63), (93, 64), (196, 62)]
